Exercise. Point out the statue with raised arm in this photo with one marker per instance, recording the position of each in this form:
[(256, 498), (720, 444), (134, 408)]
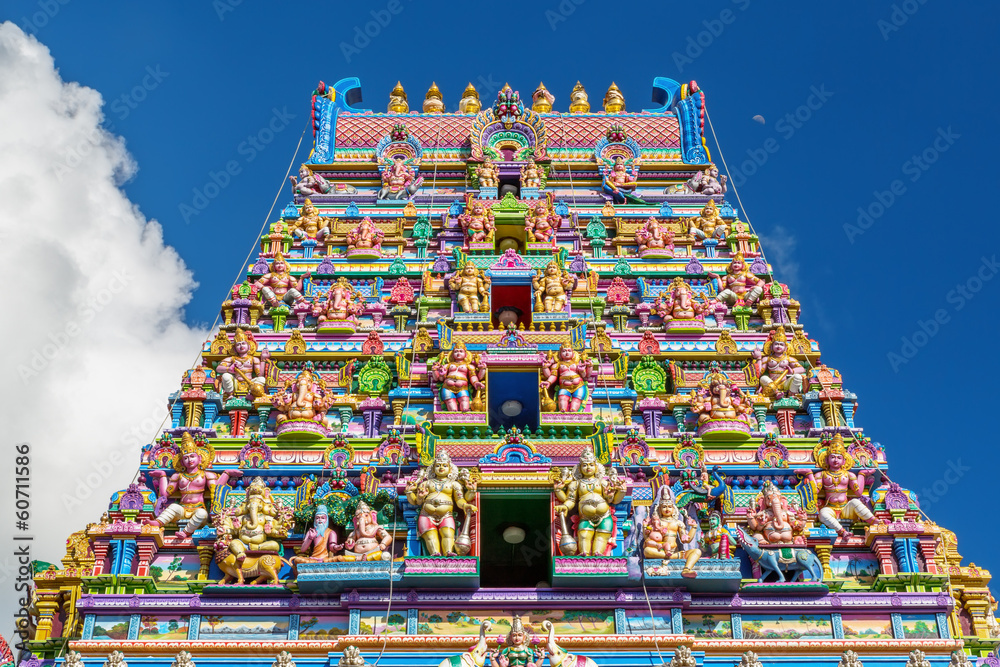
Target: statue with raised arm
[(835, 484), (399, 180), (738, 283), (593, 494), (666, 534), (458, 374), (243, 372), (618, 182), (438, 490), (569, 371), (193, 482), (278, 285), (779, 372)]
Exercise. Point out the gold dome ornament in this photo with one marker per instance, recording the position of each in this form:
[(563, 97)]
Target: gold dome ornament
[(433, 102), (470, 100), (397, 100), (614, 101), (578, 100), (542, 99)]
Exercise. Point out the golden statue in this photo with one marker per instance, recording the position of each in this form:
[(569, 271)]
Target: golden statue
[(437, 490), (552, 289), (433, 102), (470, 100), (542, 99), (578, 100), (593, 493), (488, 174), (614, 101), (397, 100), (309, 224), (473, 287), (253, 522)]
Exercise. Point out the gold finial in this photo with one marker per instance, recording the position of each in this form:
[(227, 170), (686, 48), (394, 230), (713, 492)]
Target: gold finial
[(578, 100), (614, 101), (470, 100), (542, 99), (433, 102), (397, 99)]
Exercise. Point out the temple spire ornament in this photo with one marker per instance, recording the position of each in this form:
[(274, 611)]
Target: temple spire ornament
[(397, 99), (433, 101), (578, 100), (470, 100), (542, 99), (614, 101)]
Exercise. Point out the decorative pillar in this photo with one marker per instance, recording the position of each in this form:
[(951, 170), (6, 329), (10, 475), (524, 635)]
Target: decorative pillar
[(346, 413), (193, 412), (100, 548), (785, 410), (194, 627), (815, 409), (279, 317), (652, 411), (400, 316), (211, 410), (372, 408), (205, 554), (760, 412), (710, 247), (128, 551), (413, 546), (676, 621), (838, 626), (597, 245), (849, 404), (737, 626), (397, 411), (742, 313), (308, 248), (680, 412), (47, 604), (927, 545), (411, 621), (176, 413), (263, 414), (626, 407), (882, 546), (823, 553), (146, 549)]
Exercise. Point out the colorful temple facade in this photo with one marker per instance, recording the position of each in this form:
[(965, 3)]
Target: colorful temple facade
[(507, 385)]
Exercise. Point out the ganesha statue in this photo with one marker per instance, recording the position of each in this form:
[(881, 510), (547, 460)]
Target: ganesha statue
[(438, 490), (773, 520), (341, 308), (367, 540), (249, 535), (303, 404), (592, 492), (723, 409), (399, 180), (654, 240), (459, 374), (365, 240), (677, 307)]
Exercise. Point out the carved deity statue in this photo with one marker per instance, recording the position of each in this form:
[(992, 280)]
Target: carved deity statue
[(320, 542), (704, 182), (368, 540), (617, 181), (254, 524), (779, 372), (531, 175), (707, 225), (278, 285), (666, 534), (459, 374), (303, 398), (366, 236), (773, 520), (193, 481), (738, 283), (835, 483), (516, 650), (437, 490), (552, 289), (592, 493), (242, 371), (677, 302), (309, 183), (716, 542), (343, 302), (718, 397), (477, 223), (569, 371), (399, 180), (473, 288), (309, 224), (488, 174), (653, 236), (541, 223)]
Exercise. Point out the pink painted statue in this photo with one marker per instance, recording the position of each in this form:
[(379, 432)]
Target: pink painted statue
[(773, 520), (368, 540), (278, 285), (343, 302), (738, 283), (304, 398), (366, 235), (653, 236), (541, 223)]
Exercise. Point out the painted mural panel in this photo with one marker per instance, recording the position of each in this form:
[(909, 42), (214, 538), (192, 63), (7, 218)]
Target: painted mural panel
[(639, 623), (566, 622), (175, 568), (314, 627), (919, 626), (243, 627), (714, 626), (111, 628), (376, 623), (786, 626), (861, 567), (163, 627), (861, 626)]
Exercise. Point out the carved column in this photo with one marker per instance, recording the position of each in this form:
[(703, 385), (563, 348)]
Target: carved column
[(100, 548), (882, 546), (205, 554), (146, 549), (823, 552)]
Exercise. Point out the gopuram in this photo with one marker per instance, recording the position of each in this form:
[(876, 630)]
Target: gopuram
[(503, 385)]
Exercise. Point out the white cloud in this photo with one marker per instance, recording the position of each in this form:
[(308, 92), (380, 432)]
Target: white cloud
[(779, 248), (93, 336)]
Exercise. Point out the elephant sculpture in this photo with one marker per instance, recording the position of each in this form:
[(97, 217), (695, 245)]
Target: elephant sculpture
[(475, 656), (560, 658), (264, 567), (796, 560)]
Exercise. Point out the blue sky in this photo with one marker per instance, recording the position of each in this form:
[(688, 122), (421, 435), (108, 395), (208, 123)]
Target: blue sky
[(901, 125)]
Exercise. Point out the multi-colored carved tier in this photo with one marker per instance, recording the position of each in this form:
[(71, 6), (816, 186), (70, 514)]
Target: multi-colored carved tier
[(520, 375)]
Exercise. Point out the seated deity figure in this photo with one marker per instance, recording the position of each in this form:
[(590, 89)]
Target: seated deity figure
[(241, 370), (569, 371), (666, 534), (738, 283), (773, 520), (398, 180), (304, 398), (618, 182), (368, 540), (320, 542), (552, 289), (472, 287), (254, 524), (309, 224), (366, 236), (717, 397), (593, 493), (653, 236), (835, 483), (716, 542), (342, 303), (477, 224), (516, 650), (458, 374), (541, 223), (779, 372), (531, 175), (677, 302), (195, 483), (309, 183), (709, 224), (278, 285), (488, 174), (437, 490), (705, 182)]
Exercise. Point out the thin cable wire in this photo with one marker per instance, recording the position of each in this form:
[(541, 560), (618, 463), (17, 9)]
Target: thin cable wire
[(241, 274), (409, 393)]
